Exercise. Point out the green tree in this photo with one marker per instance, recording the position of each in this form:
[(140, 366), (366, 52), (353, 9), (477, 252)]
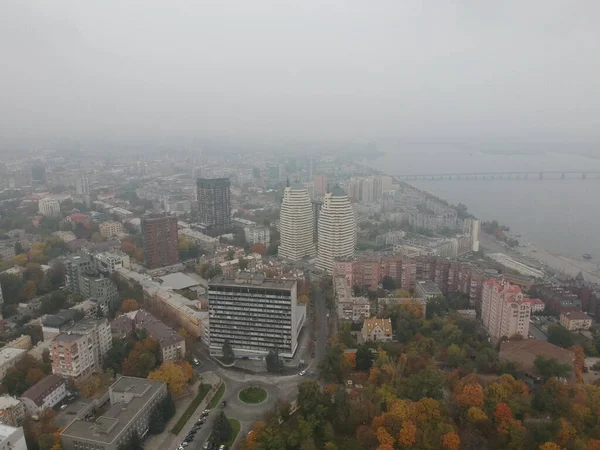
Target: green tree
[(132, 443), (559, 335), (331, 366), (364, 358), (550, 367), (228, 353), (221, 431), (156, 423), (274, 362), (309, 397), (388, 283), (428, 382)]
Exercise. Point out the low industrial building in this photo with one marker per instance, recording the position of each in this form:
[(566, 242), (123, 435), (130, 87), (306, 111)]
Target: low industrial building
[(132, 401), (427, 289), (45, 394)]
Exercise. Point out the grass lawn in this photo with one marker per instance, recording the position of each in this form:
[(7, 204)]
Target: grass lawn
[(217, 397), (235, 429), (202, 391), (253, 394)]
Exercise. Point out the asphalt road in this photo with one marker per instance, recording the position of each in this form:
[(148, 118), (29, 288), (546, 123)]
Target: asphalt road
[(321, 329)]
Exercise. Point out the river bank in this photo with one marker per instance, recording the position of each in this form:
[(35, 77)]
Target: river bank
[(538, 257)]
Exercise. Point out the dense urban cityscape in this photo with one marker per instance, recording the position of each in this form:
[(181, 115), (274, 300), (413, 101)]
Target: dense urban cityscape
[(140, 293), (307, 225)]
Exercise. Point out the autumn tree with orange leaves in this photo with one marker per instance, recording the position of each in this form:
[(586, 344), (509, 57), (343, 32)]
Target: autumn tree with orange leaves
[(450, 441)]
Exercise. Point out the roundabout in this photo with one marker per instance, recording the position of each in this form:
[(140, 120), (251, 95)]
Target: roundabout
[(253, 395)]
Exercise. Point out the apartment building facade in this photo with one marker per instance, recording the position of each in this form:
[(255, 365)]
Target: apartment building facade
[(296, 224), (337, 229), (255, 315), (160, 237), (214, 202), (79, 351), (505, 311), (110, 229), (83, 277)]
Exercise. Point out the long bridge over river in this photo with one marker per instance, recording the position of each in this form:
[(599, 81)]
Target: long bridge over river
[(515, 175)]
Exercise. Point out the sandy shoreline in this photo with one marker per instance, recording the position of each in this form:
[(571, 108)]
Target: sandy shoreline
[(540, 257)]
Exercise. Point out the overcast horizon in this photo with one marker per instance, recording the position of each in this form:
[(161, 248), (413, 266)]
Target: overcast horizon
[(462, 71)]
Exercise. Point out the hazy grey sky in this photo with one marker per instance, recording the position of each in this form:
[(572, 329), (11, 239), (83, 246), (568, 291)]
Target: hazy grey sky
[(305, 69)]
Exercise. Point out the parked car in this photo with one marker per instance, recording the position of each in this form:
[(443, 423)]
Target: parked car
[(223, 404), (302, 373), (196, 362), (63, 407)]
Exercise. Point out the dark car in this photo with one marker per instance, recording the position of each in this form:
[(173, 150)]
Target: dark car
[(223, 404)]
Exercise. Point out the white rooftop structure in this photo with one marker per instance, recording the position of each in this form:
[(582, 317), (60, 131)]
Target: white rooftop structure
[(178, 280)]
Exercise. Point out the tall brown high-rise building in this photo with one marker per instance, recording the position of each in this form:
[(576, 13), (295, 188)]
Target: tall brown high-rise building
[(320, 184), (214, 202), (160, 241)]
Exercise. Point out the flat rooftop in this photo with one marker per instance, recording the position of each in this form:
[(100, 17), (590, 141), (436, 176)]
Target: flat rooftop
[(8, 354), (106, 428), (253, 279), (429, 287), (178, 280)]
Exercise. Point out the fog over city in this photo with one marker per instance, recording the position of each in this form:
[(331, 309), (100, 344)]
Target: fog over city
[(463, 71)]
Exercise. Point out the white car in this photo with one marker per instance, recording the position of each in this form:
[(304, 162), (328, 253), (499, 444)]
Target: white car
[(302, 373)]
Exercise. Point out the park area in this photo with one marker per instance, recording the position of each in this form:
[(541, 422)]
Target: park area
[(253, 394)]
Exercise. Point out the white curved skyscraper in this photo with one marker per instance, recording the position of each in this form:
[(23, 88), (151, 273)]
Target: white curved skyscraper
[(296, 224), (337, 229)]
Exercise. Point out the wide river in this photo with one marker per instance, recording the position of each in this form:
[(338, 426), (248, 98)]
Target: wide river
[(560, 215)]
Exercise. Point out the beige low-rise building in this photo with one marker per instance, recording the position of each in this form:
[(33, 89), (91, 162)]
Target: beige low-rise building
[(377, 330), (12, 410), (110, 229), (8, 358), (575, 320), (350, 307), (22, 342)]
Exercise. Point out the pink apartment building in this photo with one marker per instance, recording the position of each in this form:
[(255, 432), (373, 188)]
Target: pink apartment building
[(504, 309)]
